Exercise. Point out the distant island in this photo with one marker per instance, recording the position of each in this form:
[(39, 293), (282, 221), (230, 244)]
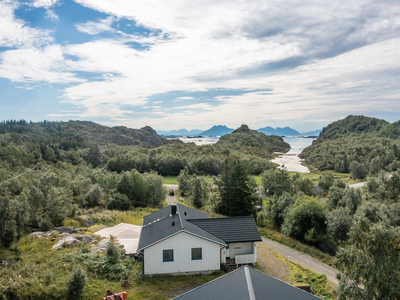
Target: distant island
[(220, 130)]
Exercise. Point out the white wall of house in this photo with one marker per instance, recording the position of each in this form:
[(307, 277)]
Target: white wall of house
[(182, 245), (240, 248)]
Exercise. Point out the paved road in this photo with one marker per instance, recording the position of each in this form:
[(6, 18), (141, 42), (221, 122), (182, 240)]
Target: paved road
[(303, 260), (171, 199), (358, 185)]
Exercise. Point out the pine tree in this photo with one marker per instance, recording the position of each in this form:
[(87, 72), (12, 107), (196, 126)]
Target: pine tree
[(236, 196)]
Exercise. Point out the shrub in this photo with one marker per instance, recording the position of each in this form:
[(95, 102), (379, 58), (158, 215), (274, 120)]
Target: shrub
[(76, 284)]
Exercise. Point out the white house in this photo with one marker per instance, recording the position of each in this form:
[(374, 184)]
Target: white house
[(180, 240)]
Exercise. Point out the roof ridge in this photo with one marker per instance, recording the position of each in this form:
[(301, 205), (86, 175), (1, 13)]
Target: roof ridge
[(207, 283), (252, 296), (179, 214)]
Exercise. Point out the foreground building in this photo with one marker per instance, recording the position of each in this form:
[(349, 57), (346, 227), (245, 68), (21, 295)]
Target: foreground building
[(181, 240), (246, 283)]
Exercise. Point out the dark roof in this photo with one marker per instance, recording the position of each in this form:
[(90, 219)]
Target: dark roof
[(166, 212), (246, 283), (162, 224), (231, 230), (317, 190)]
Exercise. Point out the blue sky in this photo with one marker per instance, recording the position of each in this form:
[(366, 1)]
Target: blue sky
[(174, 64)]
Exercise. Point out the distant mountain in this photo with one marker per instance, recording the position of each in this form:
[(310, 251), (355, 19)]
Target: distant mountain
[(180, 132), (314, 133), (217, 130), (278, 131)]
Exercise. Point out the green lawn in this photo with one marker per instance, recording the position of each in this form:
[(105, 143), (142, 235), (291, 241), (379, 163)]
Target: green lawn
[(170, 180)]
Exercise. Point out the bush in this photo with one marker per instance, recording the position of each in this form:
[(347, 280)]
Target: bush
[(76, 284), (120, 202)]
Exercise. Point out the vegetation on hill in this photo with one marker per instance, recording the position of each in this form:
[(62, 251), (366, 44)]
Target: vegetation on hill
[(81, 134), (253, 142), (358, 145)]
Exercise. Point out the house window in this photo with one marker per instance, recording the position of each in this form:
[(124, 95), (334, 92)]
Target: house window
[(168, 255), (196, 253)]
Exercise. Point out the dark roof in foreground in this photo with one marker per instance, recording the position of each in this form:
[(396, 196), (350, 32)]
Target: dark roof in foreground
[(246, 283), (231, 230), (162, 224)]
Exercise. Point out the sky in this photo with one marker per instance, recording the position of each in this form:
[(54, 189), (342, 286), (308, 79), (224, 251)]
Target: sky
[(173, 64)]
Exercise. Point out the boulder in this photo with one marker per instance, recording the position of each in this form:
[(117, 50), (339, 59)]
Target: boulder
[(64, 229), (76, 230), (85, 220), (37, 234), (68, 241), (52, 232), (84, 238), (101, 246)]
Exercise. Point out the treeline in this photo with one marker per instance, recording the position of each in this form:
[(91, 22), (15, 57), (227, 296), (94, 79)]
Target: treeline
[(358, 145), (170, 159)]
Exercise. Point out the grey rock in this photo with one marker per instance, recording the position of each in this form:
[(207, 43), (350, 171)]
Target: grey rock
[(76, 230), (101, 246), (84, 238), (85, 220), (52, 232), (68, 241), (37, 234), (64, 229)]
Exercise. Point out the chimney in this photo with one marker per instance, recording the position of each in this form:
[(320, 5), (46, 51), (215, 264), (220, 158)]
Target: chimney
[(173, 209)]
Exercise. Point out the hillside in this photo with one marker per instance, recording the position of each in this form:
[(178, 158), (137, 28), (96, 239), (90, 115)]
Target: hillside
[(367, 143), (256, 141), (80, 134)]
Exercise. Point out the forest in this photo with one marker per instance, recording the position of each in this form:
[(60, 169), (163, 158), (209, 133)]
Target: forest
[(53, 171), (358, 145)]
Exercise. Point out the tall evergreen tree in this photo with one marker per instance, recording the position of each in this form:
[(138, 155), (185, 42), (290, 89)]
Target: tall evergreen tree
[(236, 196)]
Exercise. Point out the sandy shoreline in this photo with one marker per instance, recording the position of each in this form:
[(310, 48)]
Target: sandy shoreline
[(292, 162)]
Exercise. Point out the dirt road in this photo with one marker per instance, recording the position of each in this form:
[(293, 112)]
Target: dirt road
[(171, 199), (303, 260)]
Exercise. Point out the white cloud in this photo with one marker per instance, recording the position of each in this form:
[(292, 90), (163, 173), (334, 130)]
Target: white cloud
[(93, 28), (45, 3), (36, 64), (180, 99), (320, 58), (15, 33)]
